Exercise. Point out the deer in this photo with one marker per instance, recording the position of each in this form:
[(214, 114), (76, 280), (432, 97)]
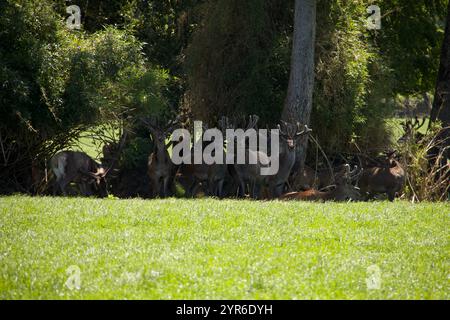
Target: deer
[(344, 189), (217, 173), (289, 135), (160, 168), (79, 168), (386, 178), (311, 178), (411, 130), (248, 175), (194, 176)]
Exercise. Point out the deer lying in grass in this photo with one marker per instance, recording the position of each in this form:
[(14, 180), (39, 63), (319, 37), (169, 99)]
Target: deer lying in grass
[(319, 179), (388, 178), (343, 191), (161, 170), (79, 168)]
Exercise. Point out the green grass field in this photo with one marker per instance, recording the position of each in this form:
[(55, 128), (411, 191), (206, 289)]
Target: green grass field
[(210, 249)]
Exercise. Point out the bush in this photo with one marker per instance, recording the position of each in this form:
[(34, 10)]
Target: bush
[(426, 165), (58, 83)]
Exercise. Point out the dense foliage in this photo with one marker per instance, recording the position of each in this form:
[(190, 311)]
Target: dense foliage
[(57, 83), (214, 57)]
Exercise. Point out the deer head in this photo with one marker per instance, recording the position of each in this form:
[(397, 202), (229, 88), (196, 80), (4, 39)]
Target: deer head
[(97, 180), (345, 179), (390, 161), (97, 174), (291, 133)]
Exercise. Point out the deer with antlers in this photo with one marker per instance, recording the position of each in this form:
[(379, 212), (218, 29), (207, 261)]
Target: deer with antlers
[(161, 170), (344, 189), (79, 168), (194, 176), (289, 135), (248, 175)]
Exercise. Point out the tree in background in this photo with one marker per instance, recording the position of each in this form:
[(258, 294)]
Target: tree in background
[(232, 62), (441, 103), (165, 27), (298, 104), (409, 41), (57, 84)]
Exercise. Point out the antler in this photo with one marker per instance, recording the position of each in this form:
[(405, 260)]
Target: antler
[(417, 124), (355, 173), (306, 130), (390, 154), (252, 123), (292, 130), (224, 123), (281, 128)]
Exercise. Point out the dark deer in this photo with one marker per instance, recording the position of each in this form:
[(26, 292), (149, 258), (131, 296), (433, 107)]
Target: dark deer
[(411, 129), (79, 168), (319, 179), (248, 176), (195, 177), (161, 170), (344, 189), (289, 135), (387, 178), (217, 173)]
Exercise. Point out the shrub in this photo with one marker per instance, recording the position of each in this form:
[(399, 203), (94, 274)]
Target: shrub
[(426, 165)]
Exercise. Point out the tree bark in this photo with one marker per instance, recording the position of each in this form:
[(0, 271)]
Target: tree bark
[(441, 103), (298, 103)]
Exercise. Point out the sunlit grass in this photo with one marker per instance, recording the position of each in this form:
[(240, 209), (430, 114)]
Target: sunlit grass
[(210, 249)]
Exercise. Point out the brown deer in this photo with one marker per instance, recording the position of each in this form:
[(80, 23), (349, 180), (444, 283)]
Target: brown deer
[(195, 176), (248, 176), (343, 191), (387, 178), (218, 173), (79, 168), (161, 170), (289, 135)]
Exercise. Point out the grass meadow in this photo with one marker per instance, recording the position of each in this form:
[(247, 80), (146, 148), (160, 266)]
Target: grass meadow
[(79, 248)]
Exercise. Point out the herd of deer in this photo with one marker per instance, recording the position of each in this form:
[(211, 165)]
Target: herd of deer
[(344, 183)]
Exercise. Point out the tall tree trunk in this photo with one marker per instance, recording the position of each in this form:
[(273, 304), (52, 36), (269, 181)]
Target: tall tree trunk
[(298, 103), (441, 103)]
